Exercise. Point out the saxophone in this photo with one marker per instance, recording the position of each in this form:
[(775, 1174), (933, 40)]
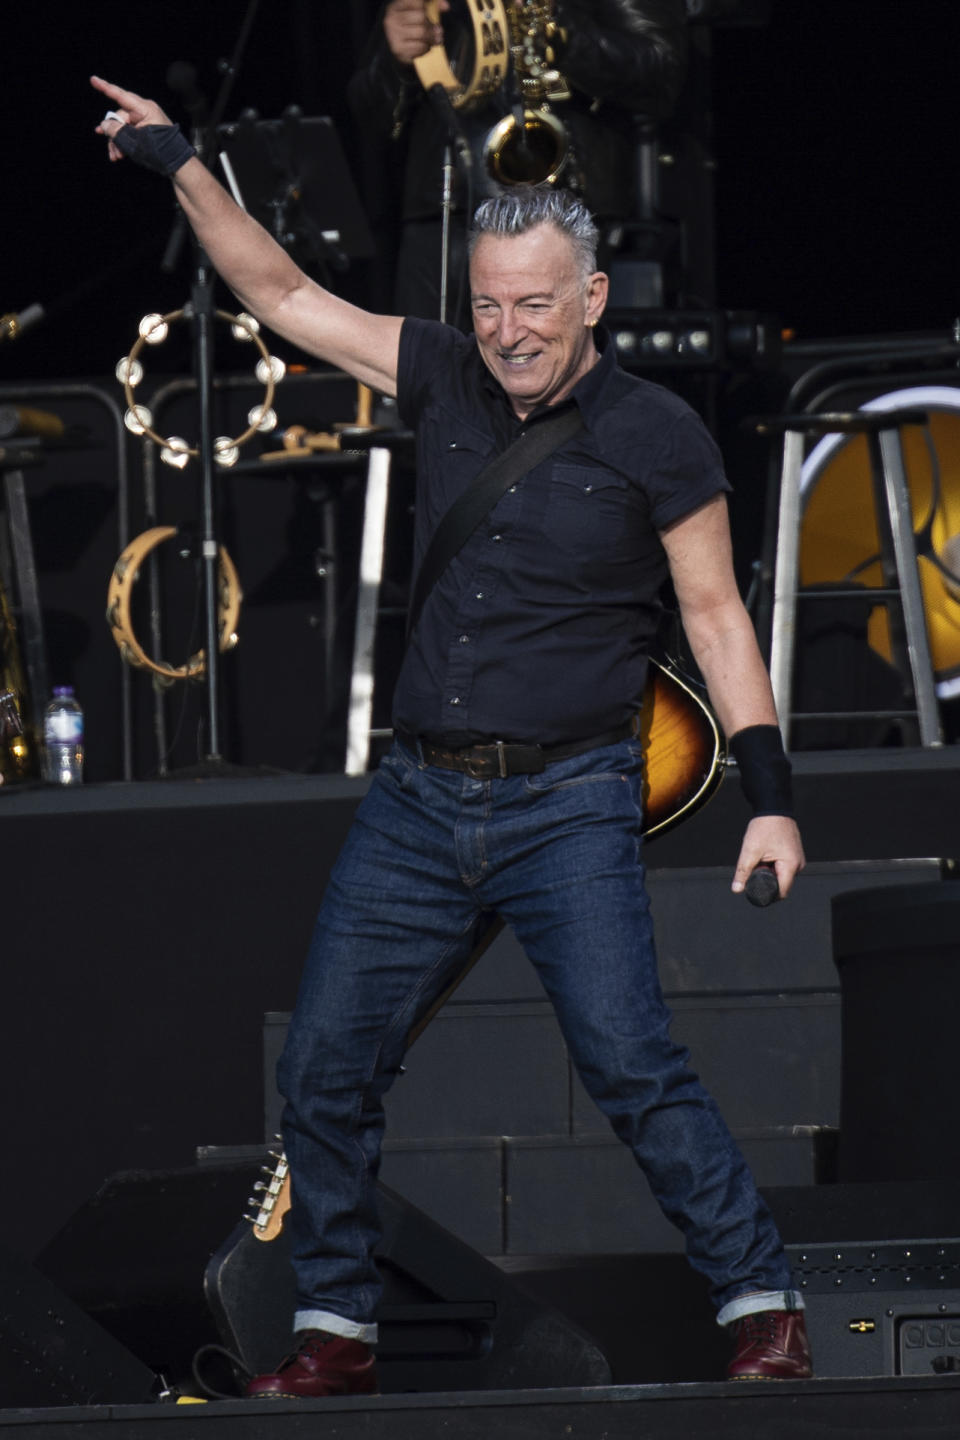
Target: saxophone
[(16, 760), (529, 146)]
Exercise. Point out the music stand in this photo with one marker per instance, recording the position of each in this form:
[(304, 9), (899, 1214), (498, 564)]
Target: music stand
[(292, 175)]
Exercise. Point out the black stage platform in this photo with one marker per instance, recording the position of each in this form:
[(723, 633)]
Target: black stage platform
[(148, 927), (790, 1410)]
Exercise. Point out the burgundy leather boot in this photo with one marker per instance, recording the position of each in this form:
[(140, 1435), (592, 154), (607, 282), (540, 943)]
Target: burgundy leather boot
[(320, 1365), (770, 1345)]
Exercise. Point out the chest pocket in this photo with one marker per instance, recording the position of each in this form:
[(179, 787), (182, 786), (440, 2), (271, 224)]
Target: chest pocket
[(452, 455), (588, 513)]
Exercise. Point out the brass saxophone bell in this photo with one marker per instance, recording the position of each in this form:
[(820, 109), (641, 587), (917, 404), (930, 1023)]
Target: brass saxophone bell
[(533, 155)]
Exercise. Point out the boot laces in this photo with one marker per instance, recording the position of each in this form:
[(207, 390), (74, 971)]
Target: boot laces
[(760, 1325), (313, 1340)]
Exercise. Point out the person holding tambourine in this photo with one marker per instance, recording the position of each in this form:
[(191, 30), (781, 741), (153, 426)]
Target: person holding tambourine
[(623, 62)]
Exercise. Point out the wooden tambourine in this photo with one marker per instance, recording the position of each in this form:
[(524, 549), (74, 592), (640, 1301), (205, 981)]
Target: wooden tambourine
[(119, 591), (491, 55)]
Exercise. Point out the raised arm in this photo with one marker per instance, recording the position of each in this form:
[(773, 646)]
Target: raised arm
[(725, 648), (259, 272)]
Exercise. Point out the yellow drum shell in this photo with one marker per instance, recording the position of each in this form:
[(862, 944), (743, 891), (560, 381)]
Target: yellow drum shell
[(839, 528)]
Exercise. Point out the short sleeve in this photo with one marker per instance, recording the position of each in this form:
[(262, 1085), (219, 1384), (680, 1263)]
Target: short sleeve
[(427, 348), (686, 473)]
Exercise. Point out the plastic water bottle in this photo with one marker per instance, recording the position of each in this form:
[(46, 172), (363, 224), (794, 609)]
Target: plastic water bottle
[(63, 738)]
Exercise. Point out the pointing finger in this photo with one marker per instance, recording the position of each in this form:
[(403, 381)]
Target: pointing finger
[(127, 100)]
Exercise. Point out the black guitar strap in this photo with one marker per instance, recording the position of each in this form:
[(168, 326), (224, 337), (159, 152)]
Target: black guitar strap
[(479, 498)]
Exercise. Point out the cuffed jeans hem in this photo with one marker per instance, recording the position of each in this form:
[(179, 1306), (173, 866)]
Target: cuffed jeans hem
[(757, 1301), (334, 1325)]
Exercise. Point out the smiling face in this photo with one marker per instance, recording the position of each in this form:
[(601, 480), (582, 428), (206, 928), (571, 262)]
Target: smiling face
[(533, 313)]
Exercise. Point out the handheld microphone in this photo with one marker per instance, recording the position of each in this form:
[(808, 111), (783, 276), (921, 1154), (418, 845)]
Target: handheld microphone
[(762, 887)]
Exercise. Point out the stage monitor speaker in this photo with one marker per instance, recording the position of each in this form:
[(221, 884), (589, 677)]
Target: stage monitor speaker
[(53, 1353), (887, 1308), (449, 1318), (134, 1255), (881, 1287), (881, 1308), (137, 1257)]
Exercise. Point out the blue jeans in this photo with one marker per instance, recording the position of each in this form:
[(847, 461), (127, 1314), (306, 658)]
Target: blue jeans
[(557, 855)]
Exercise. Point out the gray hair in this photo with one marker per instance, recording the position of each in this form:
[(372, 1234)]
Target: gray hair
[(523, 207)]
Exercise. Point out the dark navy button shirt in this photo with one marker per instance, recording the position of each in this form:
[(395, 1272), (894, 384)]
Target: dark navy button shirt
[(539, 628)]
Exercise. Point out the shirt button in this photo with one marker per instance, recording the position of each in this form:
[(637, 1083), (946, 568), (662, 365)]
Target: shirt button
[(588, 488), (464, 639), (479, 595), (513, 489), (455, 700), (496, 539), (452, 445)]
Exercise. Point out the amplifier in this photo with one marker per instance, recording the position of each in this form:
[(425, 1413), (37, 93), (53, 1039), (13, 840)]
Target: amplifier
[(885, 1308)]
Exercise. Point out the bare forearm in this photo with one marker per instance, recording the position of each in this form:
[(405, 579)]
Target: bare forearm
[(275, 290), (725, 647), (732, 667), (259, 272), (256, 268)]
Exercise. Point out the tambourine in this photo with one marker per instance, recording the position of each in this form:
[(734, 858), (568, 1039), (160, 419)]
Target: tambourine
[(119, 591), (175, 451), (491, 56)]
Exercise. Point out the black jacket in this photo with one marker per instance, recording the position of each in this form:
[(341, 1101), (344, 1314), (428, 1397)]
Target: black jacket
[(624, 59)]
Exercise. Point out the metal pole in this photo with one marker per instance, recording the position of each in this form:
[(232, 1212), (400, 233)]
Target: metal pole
[(786, 572), (368, 602), (911, 594)]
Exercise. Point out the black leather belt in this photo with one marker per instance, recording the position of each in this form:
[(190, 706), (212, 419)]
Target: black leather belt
[(500, 758)]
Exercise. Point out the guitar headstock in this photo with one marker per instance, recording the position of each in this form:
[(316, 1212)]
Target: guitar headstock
[(271, 1198)]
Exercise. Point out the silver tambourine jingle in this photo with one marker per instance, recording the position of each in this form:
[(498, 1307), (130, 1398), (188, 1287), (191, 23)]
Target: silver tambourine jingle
[(175, 451)]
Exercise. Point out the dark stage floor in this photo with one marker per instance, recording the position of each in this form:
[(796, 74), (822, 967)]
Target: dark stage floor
[(828, 1409)]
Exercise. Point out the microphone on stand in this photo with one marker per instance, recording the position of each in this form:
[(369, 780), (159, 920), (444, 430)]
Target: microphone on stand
[(443, 109), (182, 80)]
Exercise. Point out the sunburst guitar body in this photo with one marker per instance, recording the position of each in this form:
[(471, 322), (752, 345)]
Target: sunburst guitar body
[(683, 751), (684, 757)]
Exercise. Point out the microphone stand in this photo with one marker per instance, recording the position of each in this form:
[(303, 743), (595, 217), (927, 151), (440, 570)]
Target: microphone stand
[(440, 103), (202, 319), (446, 209)]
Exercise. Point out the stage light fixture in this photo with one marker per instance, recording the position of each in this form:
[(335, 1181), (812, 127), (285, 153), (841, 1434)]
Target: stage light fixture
[(693, 339)]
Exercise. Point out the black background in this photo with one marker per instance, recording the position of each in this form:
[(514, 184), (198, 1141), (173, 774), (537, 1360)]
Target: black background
[(835, 131)]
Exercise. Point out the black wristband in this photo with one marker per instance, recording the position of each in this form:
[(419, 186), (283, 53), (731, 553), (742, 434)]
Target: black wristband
[(764, 769), (163, 148)]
